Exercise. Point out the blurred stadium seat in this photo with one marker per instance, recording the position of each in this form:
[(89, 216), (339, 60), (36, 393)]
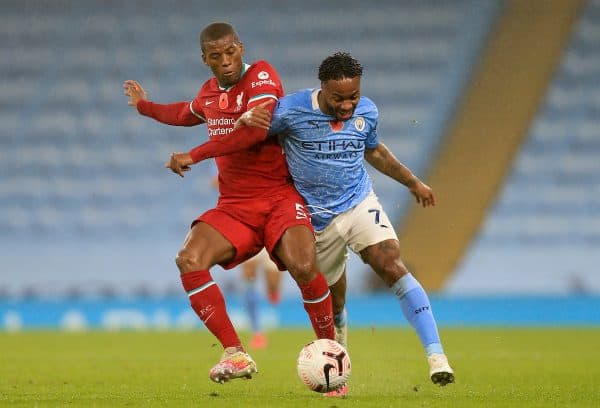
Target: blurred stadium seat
[(84, 195), (543, 234)]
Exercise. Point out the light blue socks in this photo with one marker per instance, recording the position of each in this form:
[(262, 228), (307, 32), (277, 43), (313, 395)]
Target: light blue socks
[(417, 310)]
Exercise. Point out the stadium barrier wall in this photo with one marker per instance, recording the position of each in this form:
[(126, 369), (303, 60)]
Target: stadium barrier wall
[(369, 311)]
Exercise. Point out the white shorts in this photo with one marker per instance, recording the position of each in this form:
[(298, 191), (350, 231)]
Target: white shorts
[(362, 226)]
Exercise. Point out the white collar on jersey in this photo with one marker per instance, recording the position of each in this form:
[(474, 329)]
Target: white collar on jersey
[(314, 97), (227, 88)]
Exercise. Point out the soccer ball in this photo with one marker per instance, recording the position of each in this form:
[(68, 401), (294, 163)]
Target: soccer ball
[(324, 365)]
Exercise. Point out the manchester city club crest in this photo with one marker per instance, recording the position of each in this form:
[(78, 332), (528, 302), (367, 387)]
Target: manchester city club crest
[(359, 124)]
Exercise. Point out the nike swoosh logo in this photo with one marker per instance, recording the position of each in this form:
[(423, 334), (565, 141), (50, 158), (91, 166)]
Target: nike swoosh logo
[(326, 369), (208, 103)]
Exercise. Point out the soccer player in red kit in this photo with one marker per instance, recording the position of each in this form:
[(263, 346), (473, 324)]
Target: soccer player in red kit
[(258, 204)]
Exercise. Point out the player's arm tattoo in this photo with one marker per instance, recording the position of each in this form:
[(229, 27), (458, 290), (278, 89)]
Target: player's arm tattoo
[(385, 162)]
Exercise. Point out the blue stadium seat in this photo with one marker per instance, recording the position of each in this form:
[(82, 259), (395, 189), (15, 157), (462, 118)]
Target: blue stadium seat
[(546, 216), (84, 169)]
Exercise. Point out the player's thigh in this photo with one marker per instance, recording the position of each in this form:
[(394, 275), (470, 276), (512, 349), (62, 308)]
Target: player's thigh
[(202, 248), (245, 241), (368, 224), (332, 253), (288, 233)]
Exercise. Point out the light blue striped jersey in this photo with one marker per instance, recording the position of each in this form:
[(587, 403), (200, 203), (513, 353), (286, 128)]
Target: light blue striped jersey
[(326, 157)]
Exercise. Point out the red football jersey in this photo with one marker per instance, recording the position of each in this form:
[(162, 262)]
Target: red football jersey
[(251, 172), (248, 172)]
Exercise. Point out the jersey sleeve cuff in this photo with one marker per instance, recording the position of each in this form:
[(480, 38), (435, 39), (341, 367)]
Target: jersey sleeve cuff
[(261, 98), (144, 107)]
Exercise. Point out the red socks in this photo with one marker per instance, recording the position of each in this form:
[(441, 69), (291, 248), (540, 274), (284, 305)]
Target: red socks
[(317, 303), (208, 303)]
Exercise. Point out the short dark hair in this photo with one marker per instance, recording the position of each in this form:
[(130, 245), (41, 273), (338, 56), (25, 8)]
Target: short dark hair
[(215, 31), (339, 65)]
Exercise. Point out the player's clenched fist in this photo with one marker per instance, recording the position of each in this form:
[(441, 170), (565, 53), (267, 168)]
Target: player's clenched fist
[(134, 91), (258, 116), (179, 163)]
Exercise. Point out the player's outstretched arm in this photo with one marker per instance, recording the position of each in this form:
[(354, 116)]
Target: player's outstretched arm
[(175, 114), (385, 162)]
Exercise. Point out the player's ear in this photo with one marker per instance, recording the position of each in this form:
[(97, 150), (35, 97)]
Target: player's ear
[(204, 59), (241, 45)]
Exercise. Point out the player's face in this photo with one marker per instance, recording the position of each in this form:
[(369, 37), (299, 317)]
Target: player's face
[(339, 97), (224, 57)]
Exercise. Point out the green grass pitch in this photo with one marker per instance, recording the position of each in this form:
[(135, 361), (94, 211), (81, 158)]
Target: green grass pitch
[(497, 367)]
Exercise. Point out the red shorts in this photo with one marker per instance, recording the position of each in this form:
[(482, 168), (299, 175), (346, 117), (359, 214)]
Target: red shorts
[(251, 223)]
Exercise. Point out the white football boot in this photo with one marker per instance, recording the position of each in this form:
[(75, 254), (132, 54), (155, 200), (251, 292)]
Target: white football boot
[(234, 364), (440, 371)]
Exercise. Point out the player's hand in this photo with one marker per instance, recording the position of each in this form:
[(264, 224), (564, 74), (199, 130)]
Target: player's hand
[(134, 91), (179, 163), (422, 192), (259, 116)]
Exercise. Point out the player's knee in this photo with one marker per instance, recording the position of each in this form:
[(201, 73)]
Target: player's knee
[(188, 261), (303, 270), (391, 270)]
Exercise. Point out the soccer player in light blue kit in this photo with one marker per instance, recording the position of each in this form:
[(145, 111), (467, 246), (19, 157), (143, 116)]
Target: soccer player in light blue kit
[(325, 134)]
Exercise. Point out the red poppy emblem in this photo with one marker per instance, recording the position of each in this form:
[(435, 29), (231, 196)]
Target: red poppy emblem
[(223, 101)]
